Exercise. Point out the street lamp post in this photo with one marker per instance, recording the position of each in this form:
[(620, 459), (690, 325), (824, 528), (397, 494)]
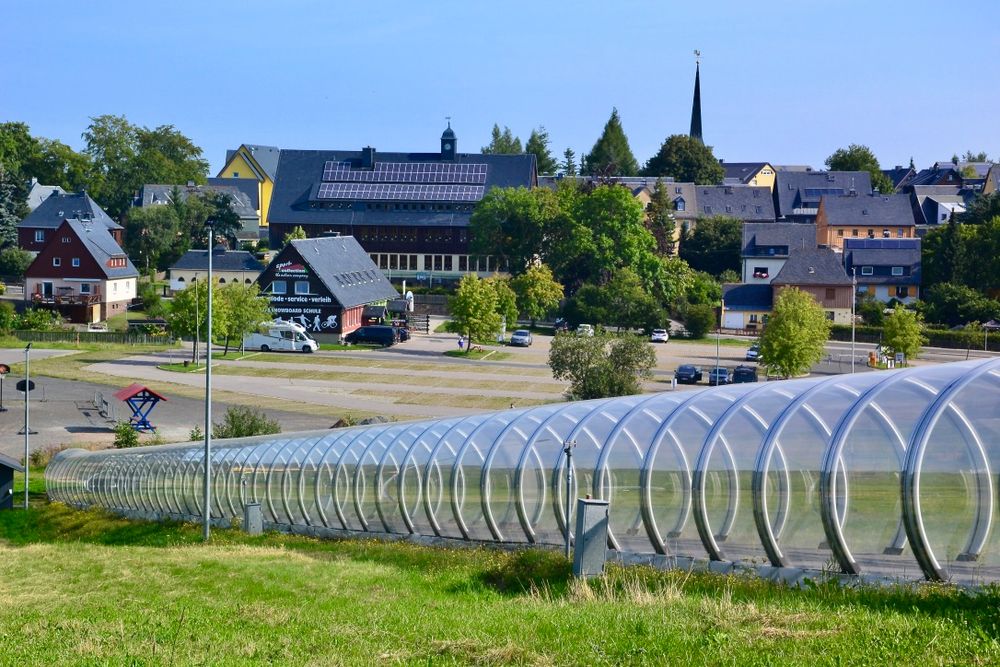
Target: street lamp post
[(718, 337), (568, 449), (206, 528), (27, 424), (854, 299)]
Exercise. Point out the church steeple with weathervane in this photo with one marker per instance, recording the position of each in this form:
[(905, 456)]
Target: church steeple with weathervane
[(696, 105)]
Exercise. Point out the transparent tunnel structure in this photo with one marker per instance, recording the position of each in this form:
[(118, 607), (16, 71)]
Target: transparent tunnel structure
[(881, 473)]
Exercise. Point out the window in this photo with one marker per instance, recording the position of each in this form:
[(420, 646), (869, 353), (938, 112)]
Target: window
[(829, 315), (463, 263), (57, 261), (279, 287), (902, 291), (760, 272), (867, 270), (885, 233), (899, 233), (302, 287), (753, 318), (84, 288), (897, 270), (39, 236), (448, 262), (854, 232), (840, 232), (236, 174), (679, 204), (831, 293), (871, 233), (75, 261), (67, 239)]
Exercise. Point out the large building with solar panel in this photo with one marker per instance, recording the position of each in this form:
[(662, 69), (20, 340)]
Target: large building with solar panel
[(409, 211)]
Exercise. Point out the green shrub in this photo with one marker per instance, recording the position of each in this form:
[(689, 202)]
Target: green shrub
[(241, 422), (125, 435), (699, 319), (8, 317), (38, 319)]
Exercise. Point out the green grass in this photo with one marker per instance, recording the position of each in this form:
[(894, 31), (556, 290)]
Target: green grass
[(93, 589), (484, 353), (232, 355)]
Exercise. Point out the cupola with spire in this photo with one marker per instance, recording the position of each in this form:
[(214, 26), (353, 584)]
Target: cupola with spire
[(449, 145)]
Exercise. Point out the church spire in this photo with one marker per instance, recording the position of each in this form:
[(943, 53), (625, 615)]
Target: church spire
[(696, 105)]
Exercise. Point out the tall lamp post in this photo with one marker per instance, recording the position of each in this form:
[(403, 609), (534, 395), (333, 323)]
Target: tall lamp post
[(207, 524), (568, 449), (718, 338), (854, 299), (27, 424)]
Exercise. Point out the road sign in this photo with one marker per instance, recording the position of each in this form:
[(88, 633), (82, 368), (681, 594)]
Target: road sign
[(20, 385)]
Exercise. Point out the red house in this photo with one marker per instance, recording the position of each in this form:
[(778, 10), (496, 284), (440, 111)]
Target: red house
[(82, 272), (36, 230)]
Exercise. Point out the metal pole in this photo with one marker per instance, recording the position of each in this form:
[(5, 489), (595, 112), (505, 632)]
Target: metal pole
[(854, 298), (986, 338), (568, 448), (208, 395), (197, 320), (27, 423), (718, 338)]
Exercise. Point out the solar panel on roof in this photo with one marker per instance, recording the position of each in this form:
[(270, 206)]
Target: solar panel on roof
[(406, 172), (382, 191)]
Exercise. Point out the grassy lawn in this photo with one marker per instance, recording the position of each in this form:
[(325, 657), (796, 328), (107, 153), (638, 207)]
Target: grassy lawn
[(462, 401), (478, 353), (93, 589), (232, 355), (387, 362)]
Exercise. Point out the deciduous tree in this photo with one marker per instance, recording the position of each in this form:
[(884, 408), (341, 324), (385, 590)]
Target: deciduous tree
[(245, 310), (858, 157), (188, 313), (538, 292), (713, 245), (687, 160), (474, 309), (902, 331), (506, 300), (611, 155), (794, 338), (660, 219), (601, 365)]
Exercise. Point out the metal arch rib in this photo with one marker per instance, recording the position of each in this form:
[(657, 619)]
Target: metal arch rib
[(456, 508), (380, 472), (605, 453), (333, 465), (912, 513), (701, 521), (646, 471), (378, 477), (831, 457), (302, 481), (529, 447), (348, 476), (431, 513), (358, 474), (484, 490), (767, 535), (404, 511)]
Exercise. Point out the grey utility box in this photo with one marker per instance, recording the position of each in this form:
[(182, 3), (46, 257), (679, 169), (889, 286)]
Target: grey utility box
[(590, 549), (253, 519)]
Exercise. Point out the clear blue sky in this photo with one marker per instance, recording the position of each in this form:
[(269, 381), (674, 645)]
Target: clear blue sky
[(786, 81)]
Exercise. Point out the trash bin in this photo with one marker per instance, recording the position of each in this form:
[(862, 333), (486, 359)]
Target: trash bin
[(590, 547), (253, 519)]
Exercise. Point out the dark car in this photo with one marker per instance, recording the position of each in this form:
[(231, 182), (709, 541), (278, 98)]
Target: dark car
[(744, 374), (719, 376), (375, 334), (688, 374)]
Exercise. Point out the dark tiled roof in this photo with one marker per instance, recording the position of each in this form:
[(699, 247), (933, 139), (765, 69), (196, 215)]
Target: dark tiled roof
[(346, 270), (817, 266), (225, 260), (266, 156), (760, 237), (981, 168), (677, 191), (803, 189), (157, 194), (102, 247), (994, 176), (748, 297), (869, 210), (248, 186), (937, 176), (746, 202), (884, 253), (743, 172), (58, 207), (300, 173), (900, 176)]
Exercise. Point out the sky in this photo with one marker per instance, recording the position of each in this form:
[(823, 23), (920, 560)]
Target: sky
[(787, 81)]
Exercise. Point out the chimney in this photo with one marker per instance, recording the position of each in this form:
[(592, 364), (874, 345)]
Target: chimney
[(367, 157)]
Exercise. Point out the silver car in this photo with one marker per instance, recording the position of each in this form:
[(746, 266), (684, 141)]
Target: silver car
[(521, 338)]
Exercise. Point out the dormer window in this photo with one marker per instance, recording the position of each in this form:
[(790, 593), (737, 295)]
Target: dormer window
[(679, 203), (897, 270), (867, 270)]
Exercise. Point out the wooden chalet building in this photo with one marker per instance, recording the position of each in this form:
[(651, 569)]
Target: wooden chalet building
[(82, 272), (409, 211), (36, 230), (324, 284)]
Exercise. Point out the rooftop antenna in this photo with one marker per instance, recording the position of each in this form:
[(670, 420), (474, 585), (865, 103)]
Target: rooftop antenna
[(448, 118), (697, 57)]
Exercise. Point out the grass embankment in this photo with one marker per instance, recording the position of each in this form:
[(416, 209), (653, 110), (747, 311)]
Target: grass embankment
[(91, 588)]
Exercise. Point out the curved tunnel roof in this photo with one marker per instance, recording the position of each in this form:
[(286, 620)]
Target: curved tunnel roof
[(888, 473)]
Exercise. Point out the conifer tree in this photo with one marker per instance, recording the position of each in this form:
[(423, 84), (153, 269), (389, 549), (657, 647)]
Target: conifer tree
[(611, 155), (568, 165), (502, 142), (538, 144)]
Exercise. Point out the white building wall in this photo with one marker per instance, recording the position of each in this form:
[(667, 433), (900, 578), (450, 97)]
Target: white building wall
[(773, 265)]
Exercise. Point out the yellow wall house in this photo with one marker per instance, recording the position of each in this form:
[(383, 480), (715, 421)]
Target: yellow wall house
[(259, 163), (750, 173)]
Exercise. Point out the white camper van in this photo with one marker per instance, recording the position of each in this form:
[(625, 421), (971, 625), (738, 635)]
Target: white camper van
[(280, 335)]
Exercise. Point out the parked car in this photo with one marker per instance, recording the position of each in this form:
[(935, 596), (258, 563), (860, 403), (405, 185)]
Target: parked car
[(688, 374), (744, 374), (560, 325), (372, 333), (521, 338), (585, 330), (753, 353), (718, 376), (659, 336)]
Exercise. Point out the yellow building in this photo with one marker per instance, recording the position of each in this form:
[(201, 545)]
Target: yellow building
[(256, 163), (749, 173)]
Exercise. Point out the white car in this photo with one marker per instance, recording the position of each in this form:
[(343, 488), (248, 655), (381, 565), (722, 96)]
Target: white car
[(585, 330), (659, 336), (521, 338)]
